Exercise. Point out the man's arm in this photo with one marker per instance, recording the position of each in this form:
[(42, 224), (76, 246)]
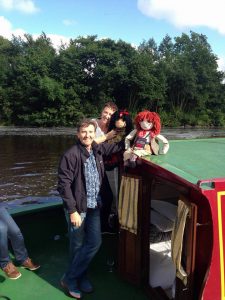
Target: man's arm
[(65, 179), (108, 149)]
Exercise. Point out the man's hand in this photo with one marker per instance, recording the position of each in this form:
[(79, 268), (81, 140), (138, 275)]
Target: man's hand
[(75, 219)]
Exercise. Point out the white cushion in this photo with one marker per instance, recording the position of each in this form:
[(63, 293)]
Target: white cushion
[(162, 271)]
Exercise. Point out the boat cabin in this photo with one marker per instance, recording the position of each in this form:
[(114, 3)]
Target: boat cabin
[(172, 216)]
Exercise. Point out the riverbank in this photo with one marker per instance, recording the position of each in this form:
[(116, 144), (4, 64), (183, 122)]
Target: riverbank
[(14, 130), (170, 133)]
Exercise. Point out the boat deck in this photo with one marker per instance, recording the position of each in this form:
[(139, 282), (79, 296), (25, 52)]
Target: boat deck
[(193, 160), (47, 243)]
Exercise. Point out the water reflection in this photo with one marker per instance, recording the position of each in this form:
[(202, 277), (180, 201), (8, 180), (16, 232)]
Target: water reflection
[(29, 158), (29, 165)]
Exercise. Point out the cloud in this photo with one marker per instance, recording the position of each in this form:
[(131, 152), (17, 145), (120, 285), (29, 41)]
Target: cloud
[(186, 13), (68, 22), (221, 63), (25, 6), (57, 40), (7, 31)]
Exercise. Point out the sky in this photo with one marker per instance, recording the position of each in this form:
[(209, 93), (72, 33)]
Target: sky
[(132, 21)]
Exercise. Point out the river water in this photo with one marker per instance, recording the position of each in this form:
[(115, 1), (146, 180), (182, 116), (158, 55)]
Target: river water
[(29, 159)]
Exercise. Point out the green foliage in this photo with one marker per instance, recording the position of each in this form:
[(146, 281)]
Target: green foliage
[(179, 79), (218, 119)]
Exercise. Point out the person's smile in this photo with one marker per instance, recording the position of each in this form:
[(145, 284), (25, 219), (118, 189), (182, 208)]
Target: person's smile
[(86, 136)]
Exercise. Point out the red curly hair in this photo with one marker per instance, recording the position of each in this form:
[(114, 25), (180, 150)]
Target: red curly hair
[(149, 116)]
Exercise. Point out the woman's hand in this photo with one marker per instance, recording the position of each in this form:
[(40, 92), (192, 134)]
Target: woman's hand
[(111, 134)]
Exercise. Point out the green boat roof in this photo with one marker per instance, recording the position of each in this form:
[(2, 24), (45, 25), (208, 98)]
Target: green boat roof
[(194, 160)]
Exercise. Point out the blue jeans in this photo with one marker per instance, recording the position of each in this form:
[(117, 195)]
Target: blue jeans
[(85, 241), (10, 231)]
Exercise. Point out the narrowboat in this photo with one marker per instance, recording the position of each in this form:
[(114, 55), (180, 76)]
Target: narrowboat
[(170, 243), (177, 205)]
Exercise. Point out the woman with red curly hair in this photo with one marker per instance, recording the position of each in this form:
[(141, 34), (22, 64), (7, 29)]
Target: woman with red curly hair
[(145, 137)]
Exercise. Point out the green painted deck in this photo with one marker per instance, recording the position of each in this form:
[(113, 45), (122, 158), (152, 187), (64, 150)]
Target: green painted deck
[(194, 160), (39, 231)]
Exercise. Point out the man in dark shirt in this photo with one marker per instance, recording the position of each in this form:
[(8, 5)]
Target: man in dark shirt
[(81, 173)]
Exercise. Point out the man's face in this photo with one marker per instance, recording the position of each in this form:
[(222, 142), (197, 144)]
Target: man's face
[(86, 135), (106, 115)]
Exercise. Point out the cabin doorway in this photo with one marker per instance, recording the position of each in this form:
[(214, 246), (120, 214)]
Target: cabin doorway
[(172, 234), (163, 212), (147, 256)]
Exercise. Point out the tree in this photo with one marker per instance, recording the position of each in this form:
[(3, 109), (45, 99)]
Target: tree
[(32, 62), (5, 109), (179, 79)]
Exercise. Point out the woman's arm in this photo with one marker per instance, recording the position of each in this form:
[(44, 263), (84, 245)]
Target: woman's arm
[(105, 137)]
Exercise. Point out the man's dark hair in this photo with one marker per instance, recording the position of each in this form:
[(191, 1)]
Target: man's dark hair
[(86, 123)]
